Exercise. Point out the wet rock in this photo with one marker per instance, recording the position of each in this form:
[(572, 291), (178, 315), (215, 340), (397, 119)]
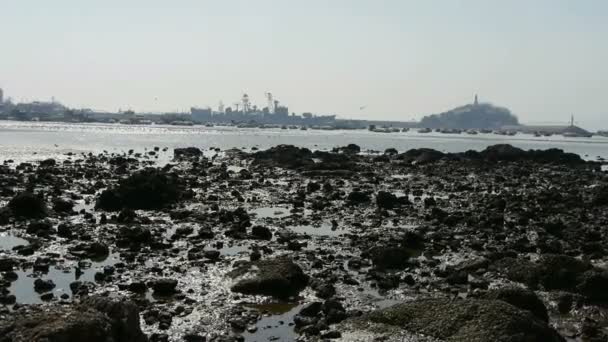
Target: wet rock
[(389, 257), (466, 320), (146, 189), (7, 264), (187, 152), (358, 197), (286, 156), (164, 287), (73, 323), (279, 277), (348, 149), (552, 271), (43, 285), (521, 298), (61, 205), (137, 287), (92, 250), (600, 196), (386, 200), (593, 284), (28, 205), (40, 228), (421, 156), (311, 309), (261, 233)]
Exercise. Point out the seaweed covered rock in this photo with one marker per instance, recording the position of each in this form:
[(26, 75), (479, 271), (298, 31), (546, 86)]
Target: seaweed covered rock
[(146, 189), (506, 152), (279, 277), (470, 320), (551, 271), (286, 156), (521, 298), (28, 205), (95, 320)]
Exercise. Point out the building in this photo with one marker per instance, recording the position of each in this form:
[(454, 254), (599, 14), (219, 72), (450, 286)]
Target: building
[(201, 115), (1, 96)]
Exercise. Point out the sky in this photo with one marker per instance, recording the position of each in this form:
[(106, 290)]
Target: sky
[(399, 59)]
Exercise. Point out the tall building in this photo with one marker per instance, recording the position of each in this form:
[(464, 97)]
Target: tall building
[(1, 96), (476, 102)]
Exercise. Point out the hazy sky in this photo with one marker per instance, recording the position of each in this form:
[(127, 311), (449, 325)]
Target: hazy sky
[(543, 59)]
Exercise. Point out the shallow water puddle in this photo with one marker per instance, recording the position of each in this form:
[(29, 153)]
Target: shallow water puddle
[(62, 275), (271, 212), (277, 324), (8, 241)]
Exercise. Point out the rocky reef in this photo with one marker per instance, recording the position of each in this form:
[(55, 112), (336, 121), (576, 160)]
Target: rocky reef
[(290, 244)]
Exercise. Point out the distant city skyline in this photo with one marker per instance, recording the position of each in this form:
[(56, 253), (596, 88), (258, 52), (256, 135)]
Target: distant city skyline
[(392, 60)]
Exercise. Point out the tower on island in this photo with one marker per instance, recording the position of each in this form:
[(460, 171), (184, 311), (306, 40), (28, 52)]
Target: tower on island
[(476, 102)]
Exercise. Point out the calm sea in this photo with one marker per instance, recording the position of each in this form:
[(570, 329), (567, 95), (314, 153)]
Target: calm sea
[(36, 140)]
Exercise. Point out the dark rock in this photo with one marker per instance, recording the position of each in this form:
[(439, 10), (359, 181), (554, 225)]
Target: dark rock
[(311, 309), (261, 233), (593, 284), (389, 257), (468, 320), (386, 200), (278, 277), (146, 189), (187, 152), (28, 205), (61, 205), (40, 228), (358, 197), (521, 298), (286, 156), (164, 287), (43, 285)]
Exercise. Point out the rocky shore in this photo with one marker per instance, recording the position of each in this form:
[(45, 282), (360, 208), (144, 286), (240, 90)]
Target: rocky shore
[(291, 244)]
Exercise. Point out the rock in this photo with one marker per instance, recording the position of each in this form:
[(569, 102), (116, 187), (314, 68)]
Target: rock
[(357, 197), (43, 285), (286, 156), (470, 320), (421, 156), (600, 196), (261, 233), (40, 228), (503, 152), (164, 287), (146, 189), (593, 284), (187, 152), (311, 309), (279, 277), (61, 205), (521, 298), (137, 287), (48, 163), (28, 205), (7, 264), (552, 271), (348, 149), (389, 257), (391, 151), (386, 200)]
